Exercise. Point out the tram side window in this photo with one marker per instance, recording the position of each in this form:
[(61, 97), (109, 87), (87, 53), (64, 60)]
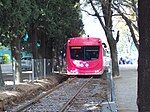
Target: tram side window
[(76, 53)]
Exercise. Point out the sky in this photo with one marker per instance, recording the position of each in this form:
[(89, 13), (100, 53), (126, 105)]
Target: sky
[(92, 26)]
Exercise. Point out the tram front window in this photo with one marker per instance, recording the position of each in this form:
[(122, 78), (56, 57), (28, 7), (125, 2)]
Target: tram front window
[(84, 52), (76, 53)]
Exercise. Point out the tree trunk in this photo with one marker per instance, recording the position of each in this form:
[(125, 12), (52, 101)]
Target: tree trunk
[(143, 99), (16, 54), (34, 44), (114, 56), (49, 55), (106, 8), (43, 47)]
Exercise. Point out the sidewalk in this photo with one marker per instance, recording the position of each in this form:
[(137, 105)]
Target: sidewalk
[(126, 88)]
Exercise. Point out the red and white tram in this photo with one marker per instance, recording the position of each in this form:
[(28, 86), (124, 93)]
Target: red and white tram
[(84, 56)]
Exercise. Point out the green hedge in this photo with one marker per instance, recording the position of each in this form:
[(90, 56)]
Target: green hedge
[(6, 58)]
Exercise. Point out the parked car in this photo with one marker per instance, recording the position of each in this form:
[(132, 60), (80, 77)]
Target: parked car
[(26, 63)]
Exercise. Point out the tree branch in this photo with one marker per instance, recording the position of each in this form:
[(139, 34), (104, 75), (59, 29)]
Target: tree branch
[(117, 37), (97, 15), (88, 12), (129, 23)]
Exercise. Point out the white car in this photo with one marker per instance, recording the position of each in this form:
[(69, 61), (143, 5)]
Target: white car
[(26, 63)]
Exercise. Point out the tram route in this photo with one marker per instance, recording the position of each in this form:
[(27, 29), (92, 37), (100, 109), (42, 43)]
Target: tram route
[(90, 97), (73, 95), (55, 101), (71, 100), (35, 100)]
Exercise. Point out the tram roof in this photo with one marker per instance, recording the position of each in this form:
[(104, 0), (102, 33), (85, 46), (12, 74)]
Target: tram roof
[(84, 41)]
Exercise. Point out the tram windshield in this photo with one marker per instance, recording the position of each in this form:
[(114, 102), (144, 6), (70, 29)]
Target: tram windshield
[(84, 52)]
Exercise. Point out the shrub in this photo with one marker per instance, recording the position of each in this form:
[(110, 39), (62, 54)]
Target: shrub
[(6, 58)]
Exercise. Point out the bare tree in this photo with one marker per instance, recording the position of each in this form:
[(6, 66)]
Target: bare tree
[(143, 99), (131, 5), (104, 7)]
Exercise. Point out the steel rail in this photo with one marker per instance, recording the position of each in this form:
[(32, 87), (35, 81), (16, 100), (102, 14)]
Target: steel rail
[(72, 98), (36, 99)]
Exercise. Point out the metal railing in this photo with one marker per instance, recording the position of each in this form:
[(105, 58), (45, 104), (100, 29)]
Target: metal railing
[(39, 68)]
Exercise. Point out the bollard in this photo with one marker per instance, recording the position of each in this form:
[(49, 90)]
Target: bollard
[(44, 68), (1, 106), (109, 107), (33, 69)]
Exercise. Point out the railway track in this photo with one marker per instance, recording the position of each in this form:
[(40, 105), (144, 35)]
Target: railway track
[(72, 98), (76, 94)]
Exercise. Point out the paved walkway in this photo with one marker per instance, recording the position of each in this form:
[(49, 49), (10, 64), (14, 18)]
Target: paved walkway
[(126, 89)]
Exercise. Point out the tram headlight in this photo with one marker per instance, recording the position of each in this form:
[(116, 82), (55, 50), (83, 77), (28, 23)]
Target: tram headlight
[(96, 71), (74, 71)]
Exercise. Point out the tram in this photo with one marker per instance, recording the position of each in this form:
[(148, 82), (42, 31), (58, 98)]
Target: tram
[(84, 56)]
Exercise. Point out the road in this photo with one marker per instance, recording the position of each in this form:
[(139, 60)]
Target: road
[(126, 88)]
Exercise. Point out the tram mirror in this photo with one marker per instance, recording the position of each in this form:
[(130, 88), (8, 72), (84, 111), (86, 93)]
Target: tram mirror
[(105, 46)]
